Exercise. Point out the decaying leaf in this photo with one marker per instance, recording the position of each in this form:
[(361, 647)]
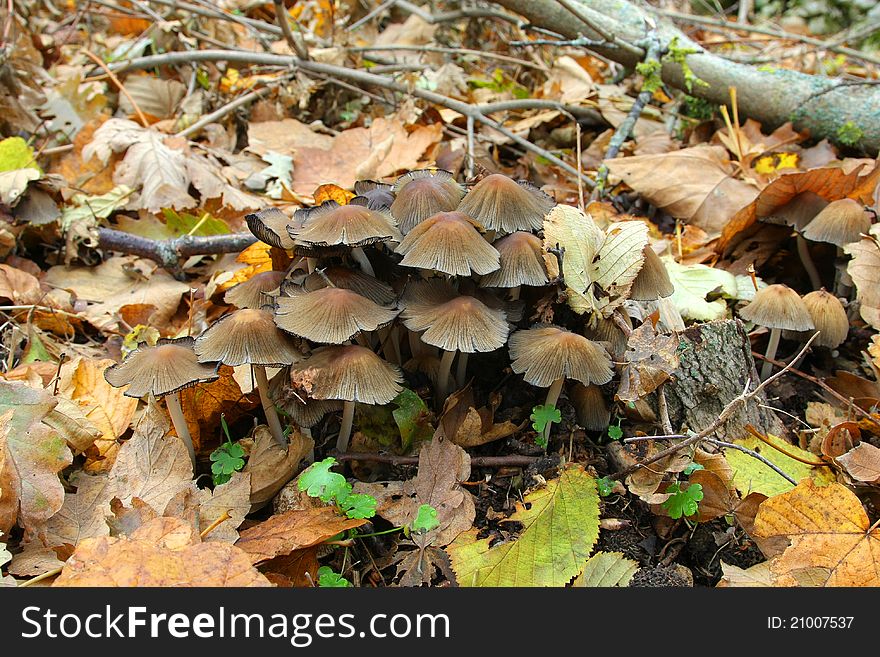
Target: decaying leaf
[(757, 576), (864, 268), (467, 426), (862, 463), (751, 475), (832, 540), (443, 465), (270, 466), (164, 552), (568, 227), (649, 361), (560, 526), (605, 569)]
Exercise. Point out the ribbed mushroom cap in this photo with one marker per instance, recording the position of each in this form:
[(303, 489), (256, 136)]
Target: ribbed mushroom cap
[(505, 205), (522, 262), (422, 194), (590, 406), (449, 242), (378, 194), (829, 318), (251, 293), (652, 281), (270, 226), (798, 212), (353, 225), (452, 322), (330, 315), (547, 353), (841, 222), (247, 336), (304, 410), (347, 372), (605, 330), (168, 367), (350, 279), (778, 306)]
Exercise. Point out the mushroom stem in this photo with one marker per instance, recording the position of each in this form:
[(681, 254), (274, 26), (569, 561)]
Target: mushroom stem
[(345, 427), (514, 293), (360, 257), (172, 402), (552, 397), (268, 406), (443, 376), (461, 369), (807, 260), (770, 354)]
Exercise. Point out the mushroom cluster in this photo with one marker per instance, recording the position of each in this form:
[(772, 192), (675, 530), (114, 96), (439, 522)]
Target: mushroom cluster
[(405, 282)]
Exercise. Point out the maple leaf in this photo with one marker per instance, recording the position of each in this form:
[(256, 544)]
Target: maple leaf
[(649, 361)]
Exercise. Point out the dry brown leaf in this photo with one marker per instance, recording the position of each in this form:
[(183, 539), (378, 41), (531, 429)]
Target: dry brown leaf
[(758, 576), (443, 465), (644, 482), (830, 183), (109, 286), (831, 536), (318, 159), (161, 553), (697, 184), (204, 403), (34, 560), (467, 426), (649, 361), (719, 499), (126, 520), (293, 530), (864, 268), (862, 463), (270, 466), (297, 569)]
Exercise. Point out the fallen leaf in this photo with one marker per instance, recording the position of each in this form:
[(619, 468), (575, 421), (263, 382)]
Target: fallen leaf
[(569, 227), (467, 426), (270, 465), (697, 184), (831, 537), (757, 576), (606, 569), (649, 361), (862, 463), (293, 530), (204, 403), (751, 475), (154, 556), (616, 265), (864, 269), (560, 527)]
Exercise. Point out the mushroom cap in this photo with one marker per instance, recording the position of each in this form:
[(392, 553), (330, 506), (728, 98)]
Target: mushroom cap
[(449, 242), (423, 193), (590, 406), (168, 367), (347, 372), (548, 353), (350, 279), (798, 212), (777, 306), (652, 282), (522, 262), (250, 293), (304, 410), (378, 194), (270, 226), (453, 322), (352, 225), (247, 336), (606, 330), (839, 223), (330, 315), (829, 318), (506, 205)]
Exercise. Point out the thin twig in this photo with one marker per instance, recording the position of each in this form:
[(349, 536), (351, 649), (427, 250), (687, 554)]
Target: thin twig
[(223, 111), (580, 12), (476, 461), (448, 51), (663, 409), (722, 418), (355, 76), (296, 44), (753, 454), (169, 253), (119, 85)]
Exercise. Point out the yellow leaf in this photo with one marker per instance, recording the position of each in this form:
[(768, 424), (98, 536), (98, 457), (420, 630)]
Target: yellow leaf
[(750, 475), (832, 540), (560, 527)]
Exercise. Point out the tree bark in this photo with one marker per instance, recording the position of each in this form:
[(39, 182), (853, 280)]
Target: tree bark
[(715, 360), (772, 96)]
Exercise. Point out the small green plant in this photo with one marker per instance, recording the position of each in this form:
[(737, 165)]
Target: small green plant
[(849, 134), (605, 486), (500, 83), (329, 579), (699, 108), (542, 417), (331, 487), (227, 458), (426, 520), (683, 503), (693, 467), (615, 432)]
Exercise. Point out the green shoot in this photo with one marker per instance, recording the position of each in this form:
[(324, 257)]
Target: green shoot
[(615, 432), (693, 467), (329, 579), (331, 487), (605, 486), (683, 503), (542, 417), (426, 520), (227, 458)]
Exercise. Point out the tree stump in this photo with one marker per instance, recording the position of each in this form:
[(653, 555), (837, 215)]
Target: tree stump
[(715, 362)]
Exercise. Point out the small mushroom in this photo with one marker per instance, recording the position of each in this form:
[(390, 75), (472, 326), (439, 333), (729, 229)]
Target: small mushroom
[(163, 370), (829, 318), (652, 282), (350, 279), (590, 406), (378, 194), (452, 322), (839, 223), (271, 227), (506, 206), (797, 213), (351, 373), (250, 337), (777, 307), (547, 355), (330, 315), (449, 242), (422, 194), (522, 263), (252, 293)]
